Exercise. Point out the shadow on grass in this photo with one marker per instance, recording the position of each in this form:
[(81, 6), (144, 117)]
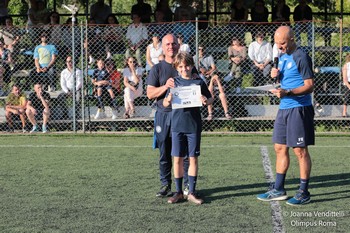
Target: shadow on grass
[(325, 181)]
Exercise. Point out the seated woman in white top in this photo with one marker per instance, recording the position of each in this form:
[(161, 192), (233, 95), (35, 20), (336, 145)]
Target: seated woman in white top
[(153, 52), (133, 85)]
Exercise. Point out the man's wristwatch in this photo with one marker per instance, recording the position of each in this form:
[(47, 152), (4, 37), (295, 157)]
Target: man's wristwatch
[(288, 92)]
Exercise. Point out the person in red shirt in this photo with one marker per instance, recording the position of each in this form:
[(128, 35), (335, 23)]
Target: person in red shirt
[(114, 76)]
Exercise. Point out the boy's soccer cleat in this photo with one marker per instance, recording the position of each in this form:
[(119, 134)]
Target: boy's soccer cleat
[(192, 197), (165, 191), (300, 198), (177, 197), (273, 195)]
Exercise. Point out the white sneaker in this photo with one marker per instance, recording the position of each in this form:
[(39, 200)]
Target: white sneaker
[(114, 115), (228, 78), (99, 114)]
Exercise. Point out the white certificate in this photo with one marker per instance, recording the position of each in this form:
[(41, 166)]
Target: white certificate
[(186, 97)]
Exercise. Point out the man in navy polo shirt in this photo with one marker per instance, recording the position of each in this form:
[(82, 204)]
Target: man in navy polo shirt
[(161, 77)]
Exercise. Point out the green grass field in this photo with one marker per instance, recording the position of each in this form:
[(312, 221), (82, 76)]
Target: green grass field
[(94, 183)]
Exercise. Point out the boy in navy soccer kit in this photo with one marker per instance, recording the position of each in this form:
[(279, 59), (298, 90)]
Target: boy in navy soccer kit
[(186, 129)]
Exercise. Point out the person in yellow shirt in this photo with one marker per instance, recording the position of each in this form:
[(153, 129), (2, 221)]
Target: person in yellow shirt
[(16, 103)]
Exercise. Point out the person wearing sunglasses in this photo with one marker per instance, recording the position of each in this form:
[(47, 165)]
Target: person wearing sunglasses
[(132, 74)]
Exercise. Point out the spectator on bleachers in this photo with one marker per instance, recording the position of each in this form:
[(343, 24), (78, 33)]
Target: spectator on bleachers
[(101, 80), (237, 54), (3, 11), (302, 16), (113, 36), (38, 103), (45, 56), (346, 84), (159, 25), (207, 69), (153, 51), (114, 76), (259, 13), (6, 63), (142, 9), (133, 86), (281, 12), (136, 36), (16, 103), (260, 53), (93, 43), (10, 34), (183, 47), (67, 85), (67, 38), (38, 15), (163, 6), (55, 30), (99, 11), (184, 11), (186, 28), (239, 13)]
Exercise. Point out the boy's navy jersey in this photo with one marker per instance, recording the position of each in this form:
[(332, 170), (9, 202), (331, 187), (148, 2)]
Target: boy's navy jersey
[(100, 75), (188, 120), (158, 76), (294, 69)]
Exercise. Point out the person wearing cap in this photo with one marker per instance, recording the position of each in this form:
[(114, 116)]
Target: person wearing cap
[(153, 51), (45, 56), (260, 53), (183, 47), (207, 70)]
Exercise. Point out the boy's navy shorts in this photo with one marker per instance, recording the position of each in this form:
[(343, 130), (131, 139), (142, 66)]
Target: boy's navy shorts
[(185, 142), (294, 127)]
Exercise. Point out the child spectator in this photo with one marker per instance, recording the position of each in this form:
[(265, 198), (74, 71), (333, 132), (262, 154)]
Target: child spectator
[(114, 76), (16, 105), (101, 79), (186, 128), (133, 85)]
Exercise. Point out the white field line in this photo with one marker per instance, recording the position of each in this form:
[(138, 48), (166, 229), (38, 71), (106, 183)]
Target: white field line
[(148, 146), (276, 211)]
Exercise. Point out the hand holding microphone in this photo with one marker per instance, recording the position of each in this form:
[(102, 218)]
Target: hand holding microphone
[(274, 71)]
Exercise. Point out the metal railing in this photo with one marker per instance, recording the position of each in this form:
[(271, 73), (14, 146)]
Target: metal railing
[(326, 42)]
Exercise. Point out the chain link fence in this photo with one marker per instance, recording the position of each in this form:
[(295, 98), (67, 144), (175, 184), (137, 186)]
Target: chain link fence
[(251, 110)]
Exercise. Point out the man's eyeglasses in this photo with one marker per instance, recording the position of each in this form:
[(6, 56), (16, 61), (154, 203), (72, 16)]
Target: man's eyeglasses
[(132, 62)]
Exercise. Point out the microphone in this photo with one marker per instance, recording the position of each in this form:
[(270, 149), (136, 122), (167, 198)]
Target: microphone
[(275, 62), (275, 65)]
